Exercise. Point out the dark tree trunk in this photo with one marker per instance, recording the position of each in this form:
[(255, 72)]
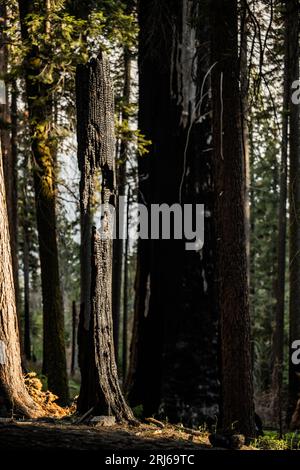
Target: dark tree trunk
[(175, 375), (294, 204), (121, 184), (229, 214), (27, 323), (125, 295), (39, 100), (13, 394), (278, 338), (245, 117), (99, 388), (74, 328)]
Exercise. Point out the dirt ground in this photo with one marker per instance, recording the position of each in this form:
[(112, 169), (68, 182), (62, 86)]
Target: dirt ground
[(26, 435)]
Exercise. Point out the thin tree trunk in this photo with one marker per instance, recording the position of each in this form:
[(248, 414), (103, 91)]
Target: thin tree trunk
[(121, 184), (125, 296), (74, 326), (13, 394), (278, 338), (229, 212), (54, 355), (294, 204), (27, 323), (245, 117)]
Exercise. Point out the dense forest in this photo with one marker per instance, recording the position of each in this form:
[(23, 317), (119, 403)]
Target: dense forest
[(149, 224)]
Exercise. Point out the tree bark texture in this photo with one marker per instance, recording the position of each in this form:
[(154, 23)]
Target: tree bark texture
[(14, 397), (9, 154), (96, 152), (237, 407)]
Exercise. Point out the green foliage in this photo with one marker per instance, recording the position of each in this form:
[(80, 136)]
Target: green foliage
[(138, 412), (270, 441), (124, 132)]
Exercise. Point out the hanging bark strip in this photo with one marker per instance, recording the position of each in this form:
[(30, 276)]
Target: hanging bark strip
[(96, 153)]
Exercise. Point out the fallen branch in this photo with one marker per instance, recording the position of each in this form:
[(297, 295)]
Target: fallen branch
[(155, 422), (83, 417)]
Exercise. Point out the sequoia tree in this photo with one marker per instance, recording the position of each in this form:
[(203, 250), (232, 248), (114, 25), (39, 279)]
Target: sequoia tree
[(237, 407), (8, 144), (13, 394), (173, 370)]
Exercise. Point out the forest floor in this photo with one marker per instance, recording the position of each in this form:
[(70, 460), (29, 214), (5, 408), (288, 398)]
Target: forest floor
[(61, 435), (62, 429)]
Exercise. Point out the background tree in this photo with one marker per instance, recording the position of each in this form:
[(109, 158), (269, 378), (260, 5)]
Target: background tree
[(232, 287), (39, 99), (294, 203), (174, 287)]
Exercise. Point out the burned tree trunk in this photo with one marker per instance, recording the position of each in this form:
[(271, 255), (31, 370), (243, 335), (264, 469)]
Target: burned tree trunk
[(13, 394), (96, 153)]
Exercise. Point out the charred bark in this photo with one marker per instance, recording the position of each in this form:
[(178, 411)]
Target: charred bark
[(100, 389)]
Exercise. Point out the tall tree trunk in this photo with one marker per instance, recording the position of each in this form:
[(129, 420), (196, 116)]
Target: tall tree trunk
[(27, 323), (74, 327), (13, 394), (121, 184), (39, 98), (125, 295), (96, 146), (245, 117), (294, 204), (175, 376), (229, 213), (8, 143), (278, 338)]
